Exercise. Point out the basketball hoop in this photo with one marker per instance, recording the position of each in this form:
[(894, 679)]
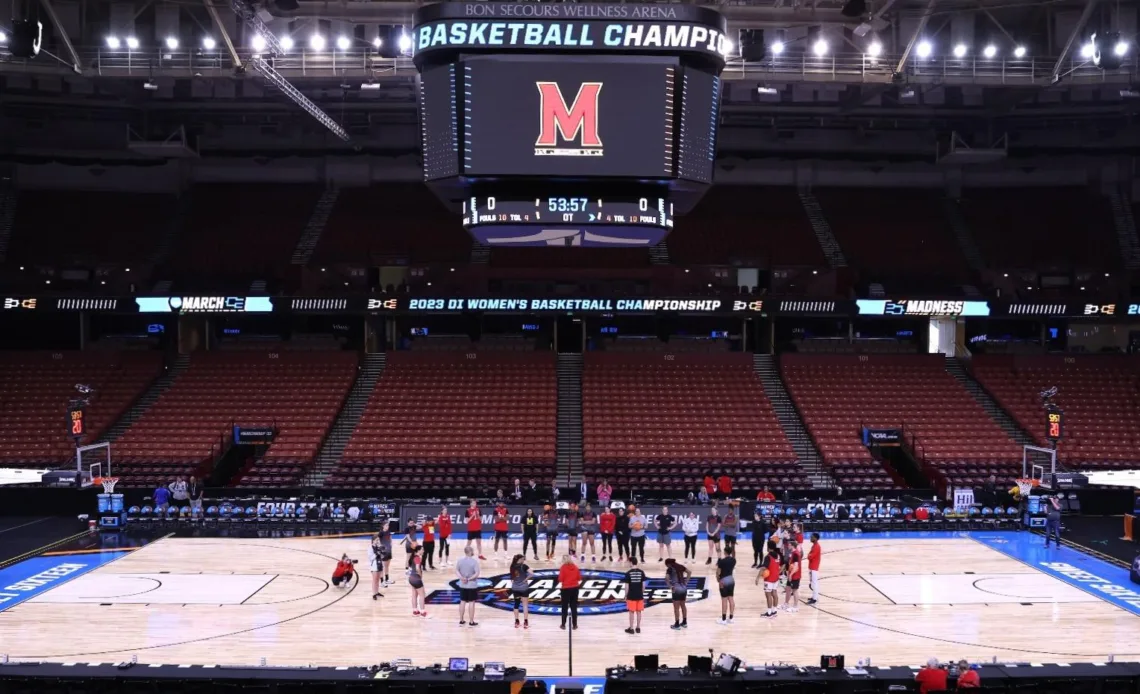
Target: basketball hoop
[(1025, 485), (108, 484)]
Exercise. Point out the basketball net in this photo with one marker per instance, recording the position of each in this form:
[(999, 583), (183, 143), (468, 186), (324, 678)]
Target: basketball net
[(108, 484), (1025, 485)]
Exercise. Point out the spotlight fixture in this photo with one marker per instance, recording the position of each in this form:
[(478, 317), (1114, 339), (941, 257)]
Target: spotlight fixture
[(819, 47), (113, 43), (1087, 50), (777, 48), (405, 43), (286, 43), (377, 42), (343, 43), (3, 37), (258, 43), (989, 51), (960, 50), (1120, 48), (172, 42), (875, 49), (1019, 52), (924, 49), (209, 43), (1109, 50), (132, 43), (317, 42)]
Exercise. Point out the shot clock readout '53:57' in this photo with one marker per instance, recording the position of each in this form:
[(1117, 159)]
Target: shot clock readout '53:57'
[(647, 211)]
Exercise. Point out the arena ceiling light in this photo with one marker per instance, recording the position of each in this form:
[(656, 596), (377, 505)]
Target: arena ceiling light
[(924, 49), (317, 42), (209, 43), (3, 37), (258, 43), (819, 47), (989, 51), (132, 43), (343, 43), (1019, 52), (875, 49), (777, 48), (172, 42), (1087, 50), (377, 42), (113, 43), (286, 43), (960, 50), (405, 43), (1121, 48)]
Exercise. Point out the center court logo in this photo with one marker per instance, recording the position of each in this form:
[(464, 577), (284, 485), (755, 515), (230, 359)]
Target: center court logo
[(602, 592), (576, 123)]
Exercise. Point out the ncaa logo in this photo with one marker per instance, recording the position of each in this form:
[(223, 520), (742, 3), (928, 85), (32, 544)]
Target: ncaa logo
[(601, 592)]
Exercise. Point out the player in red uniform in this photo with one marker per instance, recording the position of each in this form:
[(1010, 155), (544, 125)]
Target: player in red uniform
[(795, 573), (344, 571), (813, 568), (429, 542), (770, 574), (500, 527), (607, 523), (475, 528), (444, 522)]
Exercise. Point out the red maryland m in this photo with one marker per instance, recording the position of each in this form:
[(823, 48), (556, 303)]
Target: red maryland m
[(577, 122)]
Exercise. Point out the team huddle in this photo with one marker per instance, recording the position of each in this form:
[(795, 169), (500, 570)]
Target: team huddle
[(778, 555)]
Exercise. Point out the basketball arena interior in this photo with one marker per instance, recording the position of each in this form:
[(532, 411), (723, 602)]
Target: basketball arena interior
[(342, 343)]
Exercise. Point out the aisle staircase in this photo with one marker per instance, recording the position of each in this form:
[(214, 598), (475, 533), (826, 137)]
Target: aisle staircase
[(569, 452), (1009, 425), (311, 236), (7, 217), (144, 401), (962, 233), (822, 229), (808, 455), (1125, 225), (371, 368)]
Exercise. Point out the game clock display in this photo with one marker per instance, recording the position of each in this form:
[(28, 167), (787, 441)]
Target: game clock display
[(575, 210)]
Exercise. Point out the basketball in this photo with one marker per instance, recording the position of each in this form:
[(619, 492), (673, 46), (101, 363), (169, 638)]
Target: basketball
[(766, 574), (636, 525)]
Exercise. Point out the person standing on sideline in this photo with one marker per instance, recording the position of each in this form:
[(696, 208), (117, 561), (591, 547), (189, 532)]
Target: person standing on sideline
[(665, 525), (583, 491), (727, 584), (731, 527), (530, 532), (429, 542), (569, 578), (621, 530), (677, 578), (757, 539), (195, 490), (605, 492), (606, 523), (475, 528), (520, 587), (634, 595), (178, 491), (637, 521), (555, 492), (770, 574), (501, 526), (517, 492), (378, 561), (550, 528), (1053, 522), (709, 484), (572, 528), (724, 486), (444, 535), (416, 581), (467, 569), (161, 497), (713, 527), (813, 568), (690, 526), (409, 542), (589, 532), (795, 573)]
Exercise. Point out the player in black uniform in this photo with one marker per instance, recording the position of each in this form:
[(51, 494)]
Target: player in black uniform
[(634, 595), (530, 532)]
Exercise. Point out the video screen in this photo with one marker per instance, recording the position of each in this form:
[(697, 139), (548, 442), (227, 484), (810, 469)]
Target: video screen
[(569, 116)]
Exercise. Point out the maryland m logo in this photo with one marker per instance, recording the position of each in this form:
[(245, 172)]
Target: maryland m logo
[(574, 124)]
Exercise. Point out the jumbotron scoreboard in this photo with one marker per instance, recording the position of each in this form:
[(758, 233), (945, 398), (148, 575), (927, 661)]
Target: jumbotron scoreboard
[(569, 124)]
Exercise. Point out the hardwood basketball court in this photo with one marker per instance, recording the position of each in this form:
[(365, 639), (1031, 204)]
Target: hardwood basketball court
[(897, 599)]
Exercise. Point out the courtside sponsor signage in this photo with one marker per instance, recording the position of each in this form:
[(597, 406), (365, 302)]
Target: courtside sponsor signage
[(205, 304), (589, 685), (1111, 591), (601, 592)]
